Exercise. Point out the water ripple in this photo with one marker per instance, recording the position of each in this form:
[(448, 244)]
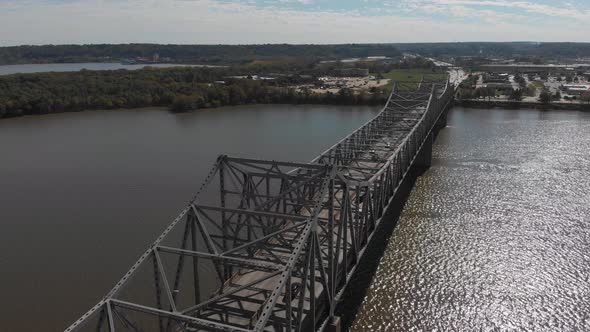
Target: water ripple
[(496, 235)]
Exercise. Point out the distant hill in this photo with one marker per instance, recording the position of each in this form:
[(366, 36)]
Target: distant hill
[(506, 49), (208, 54), (235, 54)]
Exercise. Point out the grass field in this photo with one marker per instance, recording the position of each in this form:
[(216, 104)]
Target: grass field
[(538, 85), (411, 75), (536, 88)]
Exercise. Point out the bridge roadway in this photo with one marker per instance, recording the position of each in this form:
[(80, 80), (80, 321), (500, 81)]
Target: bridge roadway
[(270, 245)]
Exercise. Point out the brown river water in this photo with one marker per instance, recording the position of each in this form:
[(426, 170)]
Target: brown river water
[(494, 237), (82, 195)]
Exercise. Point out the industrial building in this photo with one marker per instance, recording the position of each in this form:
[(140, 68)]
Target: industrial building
[(532, 68), (575, 89), (352, 72)]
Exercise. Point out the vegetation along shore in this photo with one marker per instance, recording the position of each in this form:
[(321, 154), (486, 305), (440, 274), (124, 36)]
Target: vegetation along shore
[(188, 88)]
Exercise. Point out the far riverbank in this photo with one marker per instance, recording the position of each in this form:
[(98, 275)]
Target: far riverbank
[(73, 67), (180, 88), (510, 104)]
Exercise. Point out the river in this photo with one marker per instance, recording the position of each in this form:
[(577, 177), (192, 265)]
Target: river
[(496, 235), (69, 67), (82, 195)]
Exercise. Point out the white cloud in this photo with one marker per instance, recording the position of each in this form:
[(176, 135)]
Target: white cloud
[(209, 21), (565, 10)]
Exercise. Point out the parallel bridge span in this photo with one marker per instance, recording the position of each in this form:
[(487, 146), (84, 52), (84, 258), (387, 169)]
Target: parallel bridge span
[(271, 245)]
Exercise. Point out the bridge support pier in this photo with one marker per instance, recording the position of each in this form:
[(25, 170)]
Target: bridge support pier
[(335, 325), (424, 157), (442, 122)]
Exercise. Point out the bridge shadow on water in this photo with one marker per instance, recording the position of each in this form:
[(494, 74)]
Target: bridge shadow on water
[(356, 291)]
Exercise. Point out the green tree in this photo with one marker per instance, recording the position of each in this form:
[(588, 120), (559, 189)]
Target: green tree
[(545, 97), (186, 103), (544, 76), (491, 92), (516, 95), (466, 94)]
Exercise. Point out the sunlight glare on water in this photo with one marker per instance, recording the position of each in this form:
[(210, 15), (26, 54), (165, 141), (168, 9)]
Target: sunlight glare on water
[(496, 235)]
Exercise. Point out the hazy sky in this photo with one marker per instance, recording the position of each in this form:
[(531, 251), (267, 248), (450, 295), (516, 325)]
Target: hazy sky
[(290, 21)]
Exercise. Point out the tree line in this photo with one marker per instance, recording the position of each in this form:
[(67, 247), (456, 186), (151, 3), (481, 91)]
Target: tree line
[(525, 51), (189, 54), (180, 89)]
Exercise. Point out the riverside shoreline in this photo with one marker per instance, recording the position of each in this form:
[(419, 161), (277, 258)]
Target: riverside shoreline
[(522, 104)]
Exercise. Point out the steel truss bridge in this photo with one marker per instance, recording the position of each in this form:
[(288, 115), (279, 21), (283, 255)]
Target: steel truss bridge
[(271, 245)]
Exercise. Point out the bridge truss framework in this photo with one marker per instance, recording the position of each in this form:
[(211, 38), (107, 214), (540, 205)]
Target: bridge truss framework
[(271, 245)]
